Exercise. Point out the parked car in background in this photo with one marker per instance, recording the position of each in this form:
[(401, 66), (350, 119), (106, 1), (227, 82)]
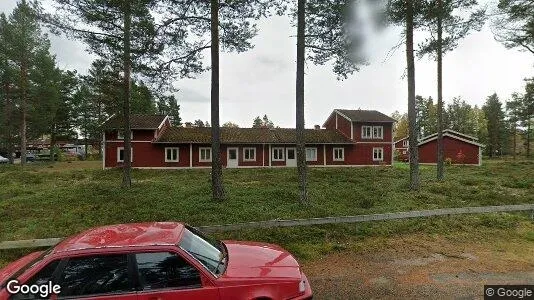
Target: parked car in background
[(30, 157), (158, 261), (3, 160)]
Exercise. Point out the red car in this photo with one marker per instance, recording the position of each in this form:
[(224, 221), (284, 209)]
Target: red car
[(154, 261)]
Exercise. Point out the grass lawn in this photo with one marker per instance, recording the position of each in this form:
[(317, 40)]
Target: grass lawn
[(43, 200)]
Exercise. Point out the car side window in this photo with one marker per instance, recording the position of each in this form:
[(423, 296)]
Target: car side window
[(42, 277), (93, 275), (162, 270)]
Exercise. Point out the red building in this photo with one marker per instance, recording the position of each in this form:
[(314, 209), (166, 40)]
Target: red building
[(401, 149), (349, 138), (459, 148)]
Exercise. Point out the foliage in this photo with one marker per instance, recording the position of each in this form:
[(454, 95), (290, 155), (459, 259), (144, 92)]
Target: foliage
[(230, 125), (328, 38), (168, 105), (514, 24), (263, 122), (495, 124), (426, 116), (458, 18), (34, 94), (401, 126)]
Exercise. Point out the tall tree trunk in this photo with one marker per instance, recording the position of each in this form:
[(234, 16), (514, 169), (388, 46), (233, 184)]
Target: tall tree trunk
[(216, 166), (53, 142), (23, 108), (301, 146), (126, 176), (440, 167), (528, 137), (515, 139), (412, 114), (8, 113)]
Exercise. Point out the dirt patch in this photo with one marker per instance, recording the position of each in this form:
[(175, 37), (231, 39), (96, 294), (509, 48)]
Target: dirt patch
[(420, 266)]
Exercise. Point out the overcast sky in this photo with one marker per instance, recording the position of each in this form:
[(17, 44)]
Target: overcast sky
[(262, 81)]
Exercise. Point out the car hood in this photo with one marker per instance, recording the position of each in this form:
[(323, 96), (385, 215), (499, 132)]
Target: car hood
[(260, 260), (8, 271)]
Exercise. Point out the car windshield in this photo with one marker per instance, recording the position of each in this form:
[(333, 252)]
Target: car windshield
[(210, 253)]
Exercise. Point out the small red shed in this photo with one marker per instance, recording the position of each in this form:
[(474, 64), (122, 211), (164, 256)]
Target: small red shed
[(458, 148)]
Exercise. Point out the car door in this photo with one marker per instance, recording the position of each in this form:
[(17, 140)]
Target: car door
[(98, 277), (167, 275)]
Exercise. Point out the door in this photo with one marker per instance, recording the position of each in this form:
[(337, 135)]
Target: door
[(291, 157), (232, 158), (167, 276)]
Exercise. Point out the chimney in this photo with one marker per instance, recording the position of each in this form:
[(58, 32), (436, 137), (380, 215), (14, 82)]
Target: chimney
[(188, 125), (317, 127)]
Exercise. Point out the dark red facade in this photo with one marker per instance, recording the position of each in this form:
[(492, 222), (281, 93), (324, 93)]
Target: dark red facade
[(358, 151), (456, 151), (401, 149)]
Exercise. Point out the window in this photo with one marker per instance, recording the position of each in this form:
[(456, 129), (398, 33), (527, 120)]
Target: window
[(372, 132), (42, 277), (232, 153), (172, 154), (367, 132), (106, 274), (120, 154), (278, 154), (166, 270), (339, 154), (291, 153), (205, 154), (311, 154), (378, 132), (249, 154), (378, 154), (120, 135), (405, 143), (207, 252)]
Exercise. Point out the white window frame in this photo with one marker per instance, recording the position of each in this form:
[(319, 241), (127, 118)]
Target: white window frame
[(371, 134), (405, 143), (119, 154), (200, 154), (378, 150), (249, 149), (282, 151), (314, 158), (381, 136), (364, 132), (120, 135), (167, 149), (342, 158)]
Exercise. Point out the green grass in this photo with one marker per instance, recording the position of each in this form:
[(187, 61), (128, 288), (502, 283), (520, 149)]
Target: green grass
[(50, 201), (42, 201)]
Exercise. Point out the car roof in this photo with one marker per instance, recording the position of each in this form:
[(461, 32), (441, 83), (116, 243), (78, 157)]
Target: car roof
[(123, 236)]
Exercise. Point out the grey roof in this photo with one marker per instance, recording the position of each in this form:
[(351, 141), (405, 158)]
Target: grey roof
[(358, 115)]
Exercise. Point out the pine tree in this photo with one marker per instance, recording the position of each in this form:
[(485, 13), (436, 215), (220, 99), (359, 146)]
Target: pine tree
[(322, 30), (121, 31), (214, 25), (26, 50), (408, 14), (496, 126), (446, 19), (514, 22)]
